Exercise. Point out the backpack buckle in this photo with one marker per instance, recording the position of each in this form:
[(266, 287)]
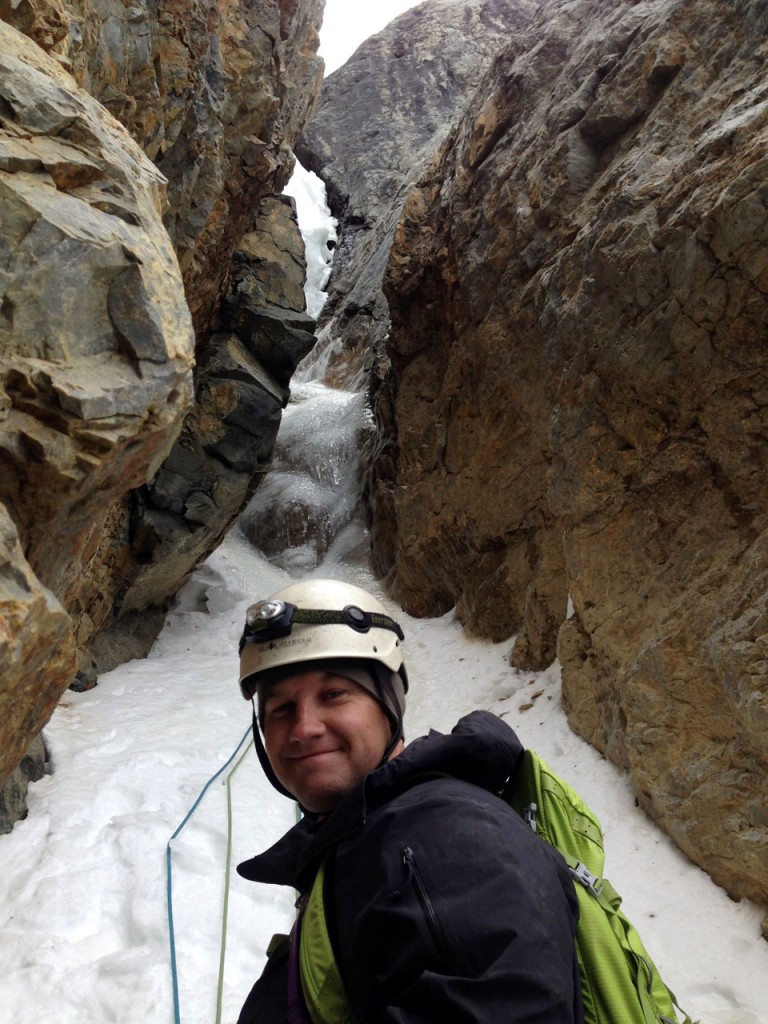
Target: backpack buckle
[(529, 816), (584, 877)]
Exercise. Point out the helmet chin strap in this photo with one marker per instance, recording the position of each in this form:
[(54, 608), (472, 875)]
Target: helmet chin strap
[(391, 707), (388, 752), (264, 760)]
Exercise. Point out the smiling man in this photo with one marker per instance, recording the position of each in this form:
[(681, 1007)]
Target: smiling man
[(423, 896), (324, 732)]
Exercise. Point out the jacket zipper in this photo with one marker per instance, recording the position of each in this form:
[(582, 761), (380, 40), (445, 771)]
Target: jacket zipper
[(428, 910)]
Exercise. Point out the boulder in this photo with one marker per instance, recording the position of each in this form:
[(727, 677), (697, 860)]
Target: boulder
[(575, 400), (95, 366), (37, 655), (95, 336), (13, 796)]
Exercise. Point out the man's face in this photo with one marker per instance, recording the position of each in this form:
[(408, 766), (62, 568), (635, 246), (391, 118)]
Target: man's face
[(323, 733)]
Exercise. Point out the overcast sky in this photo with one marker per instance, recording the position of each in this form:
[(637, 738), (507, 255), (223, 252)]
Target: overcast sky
[(346, 23)]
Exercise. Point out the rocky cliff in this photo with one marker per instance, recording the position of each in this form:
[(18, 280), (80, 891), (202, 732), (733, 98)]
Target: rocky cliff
[(97, 347), (214, 93), (129, 249), (379, 119), (571, 405), (577, 398)]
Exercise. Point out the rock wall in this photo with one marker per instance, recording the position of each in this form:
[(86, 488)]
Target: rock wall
[(576, 401), (95, 357), (226, 442), (379, 119), (104, 513), (215, 92)]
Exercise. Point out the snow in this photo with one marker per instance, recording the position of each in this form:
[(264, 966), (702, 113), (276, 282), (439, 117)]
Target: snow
[(85, 933)]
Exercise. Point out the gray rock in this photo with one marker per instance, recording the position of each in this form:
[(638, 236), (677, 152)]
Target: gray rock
[(96, 339), (379, 119), (13, 795), (228, 438)]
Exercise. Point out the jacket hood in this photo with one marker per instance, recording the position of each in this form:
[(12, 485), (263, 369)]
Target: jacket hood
[(481, 749)]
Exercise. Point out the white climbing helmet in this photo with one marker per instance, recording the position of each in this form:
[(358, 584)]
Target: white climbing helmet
[(317, 620)]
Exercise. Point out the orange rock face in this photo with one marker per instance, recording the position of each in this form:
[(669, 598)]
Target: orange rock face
[(575, 403)]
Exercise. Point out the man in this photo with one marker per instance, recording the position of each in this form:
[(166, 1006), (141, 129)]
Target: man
[(424, 896)]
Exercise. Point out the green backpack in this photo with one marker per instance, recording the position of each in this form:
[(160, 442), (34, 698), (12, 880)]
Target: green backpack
[(619, 982)]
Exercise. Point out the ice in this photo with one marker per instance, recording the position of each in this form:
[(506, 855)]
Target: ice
[(312, 491), (318, 229)]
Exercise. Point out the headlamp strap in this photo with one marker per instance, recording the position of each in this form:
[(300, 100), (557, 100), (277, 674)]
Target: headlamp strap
[(351, 616), (270, 620)]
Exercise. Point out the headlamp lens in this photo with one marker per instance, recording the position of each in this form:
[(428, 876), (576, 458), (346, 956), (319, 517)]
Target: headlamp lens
[(267, 620), (262, 612)]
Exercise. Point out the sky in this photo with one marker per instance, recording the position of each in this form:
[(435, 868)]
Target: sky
[(346, 23)]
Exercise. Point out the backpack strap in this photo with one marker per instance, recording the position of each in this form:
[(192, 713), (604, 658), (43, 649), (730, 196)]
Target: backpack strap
[(321, 983), (646, 978)]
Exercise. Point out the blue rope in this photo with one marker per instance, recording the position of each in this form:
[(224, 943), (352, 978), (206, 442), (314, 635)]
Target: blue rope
[(169, 877)]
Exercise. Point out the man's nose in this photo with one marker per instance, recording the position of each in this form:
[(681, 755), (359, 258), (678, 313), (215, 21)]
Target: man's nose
[(308, 721)]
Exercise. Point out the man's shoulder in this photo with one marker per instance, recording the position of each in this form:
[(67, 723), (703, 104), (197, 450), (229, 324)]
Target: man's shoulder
[(454, 827), (432, 801), (481, 749), (423, 789)]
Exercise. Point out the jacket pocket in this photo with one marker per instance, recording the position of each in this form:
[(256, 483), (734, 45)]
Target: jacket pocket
[(431, 919)]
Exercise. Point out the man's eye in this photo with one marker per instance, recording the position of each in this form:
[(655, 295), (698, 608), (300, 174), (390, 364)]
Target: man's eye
[(334, 694), (279, 710)]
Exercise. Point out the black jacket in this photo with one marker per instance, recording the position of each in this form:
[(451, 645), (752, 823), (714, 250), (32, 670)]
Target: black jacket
[(447, 907)]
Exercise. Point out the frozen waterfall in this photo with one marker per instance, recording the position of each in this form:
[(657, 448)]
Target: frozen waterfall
[(308, 505), (318, 229)]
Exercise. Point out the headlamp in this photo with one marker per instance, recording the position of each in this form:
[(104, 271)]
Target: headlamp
[(267, 620), (272, 620)]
